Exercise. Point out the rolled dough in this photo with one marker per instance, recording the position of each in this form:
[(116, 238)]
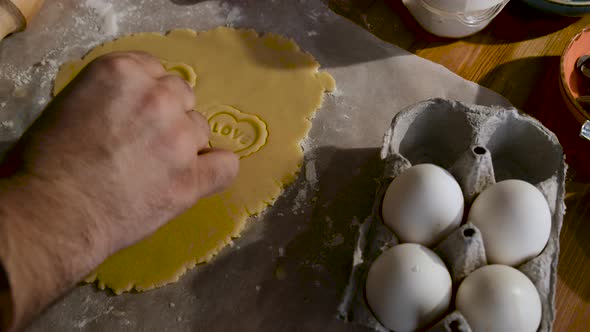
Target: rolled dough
[(259, 94)]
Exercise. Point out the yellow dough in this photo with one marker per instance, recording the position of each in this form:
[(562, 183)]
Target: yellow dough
[(183, 70), (259, 94), (231, 129)]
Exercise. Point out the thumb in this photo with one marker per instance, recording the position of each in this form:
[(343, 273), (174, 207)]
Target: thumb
[(215, 170)]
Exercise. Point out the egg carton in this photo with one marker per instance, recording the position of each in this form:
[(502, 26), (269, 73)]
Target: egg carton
[(479, 146)]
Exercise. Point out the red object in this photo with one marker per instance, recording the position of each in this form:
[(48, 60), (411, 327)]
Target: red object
[(573, 82)]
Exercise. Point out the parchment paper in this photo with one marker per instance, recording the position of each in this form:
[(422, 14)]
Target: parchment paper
[(289, 269)]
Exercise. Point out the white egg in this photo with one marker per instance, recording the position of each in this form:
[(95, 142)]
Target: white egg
[(499, 298), (514, 219), (423, 204), (408, 287)]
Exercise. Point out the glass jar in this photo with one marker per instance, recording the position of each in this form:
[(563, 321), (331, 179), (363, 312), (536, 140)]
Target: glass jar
[(454, 18)]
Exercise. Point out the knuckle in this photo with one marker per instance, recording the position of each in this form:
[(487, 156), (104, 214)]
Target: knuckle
[(156, 101), (202, 134), (202, 137), (180, 140), (203, 128), (200, 119), (185, 145), (116, 63), (177, 87), (167, 89), (171, 81)]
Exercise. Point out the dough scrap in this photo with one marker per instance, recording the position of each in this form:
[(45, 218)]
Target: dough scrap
[(264, 91), (183, 70)]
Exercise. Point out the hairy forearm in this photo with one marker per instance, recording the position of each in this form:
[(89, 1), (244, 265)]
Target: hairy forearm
[(48, 241)]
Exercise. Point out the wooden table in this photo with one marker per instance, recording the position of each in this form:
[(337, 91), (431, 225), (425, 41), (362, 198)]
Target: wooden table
[(518, 57)]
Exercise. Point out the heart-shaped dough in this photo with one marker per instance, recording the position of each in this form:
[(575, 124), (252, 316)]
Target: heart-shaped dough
[(236, 131)]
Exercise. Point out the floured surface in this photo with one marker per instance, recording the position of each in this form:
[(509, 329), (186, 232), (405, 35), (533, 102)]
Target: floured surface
[(248, 87), (295, 261)]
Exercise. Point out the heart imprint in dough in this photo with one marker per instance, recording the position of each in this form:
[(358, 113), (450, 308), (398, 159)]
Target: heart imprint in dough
[(234, 130)]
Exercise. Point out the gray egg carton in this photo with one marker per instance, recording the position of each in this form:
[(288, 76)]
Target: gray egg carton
[(479, 146)]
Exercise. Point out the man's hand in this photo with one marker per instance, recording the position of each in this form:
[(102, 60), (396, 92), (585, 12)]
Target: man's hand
[(115, 156)]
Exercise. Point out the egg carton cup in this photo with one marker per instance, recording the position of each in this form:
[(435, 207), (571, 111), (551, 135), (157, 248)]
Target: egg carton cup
[(479, 146)]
